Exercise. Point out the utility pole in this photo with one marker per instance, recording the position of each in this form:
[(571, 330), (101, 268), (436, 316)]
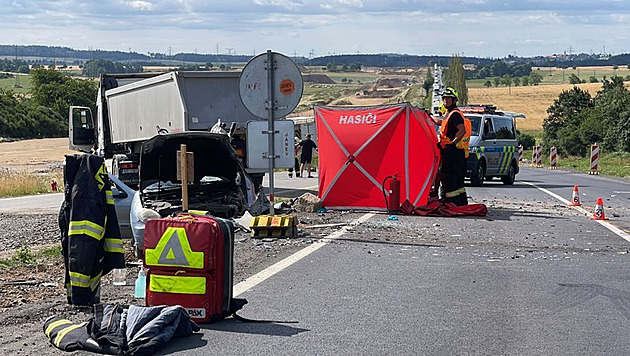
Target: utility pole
[(17, 77)]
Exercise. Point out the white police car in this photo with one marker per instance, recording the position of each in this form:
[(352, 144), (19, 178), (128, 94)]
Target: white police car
[(493, 145)]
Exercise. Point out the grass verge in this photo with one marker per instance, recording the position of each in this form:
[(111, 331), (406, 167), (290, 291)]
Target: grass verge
[(13, 184), (616, 164), (24, 256), (611, 164)]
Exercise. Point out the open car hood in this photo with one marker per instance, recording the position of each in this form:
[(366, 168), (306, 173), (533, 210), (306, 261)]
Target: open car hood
[(213, 157)]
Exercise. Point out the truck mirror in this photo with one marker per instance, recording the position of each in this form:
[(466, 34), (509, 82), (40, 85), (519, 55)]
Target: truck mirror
[(81, 125)]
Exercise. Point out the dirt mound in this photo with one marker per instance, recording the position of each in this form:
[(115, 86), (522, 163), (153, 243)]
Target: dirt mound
[(317, 79), (389, 83)]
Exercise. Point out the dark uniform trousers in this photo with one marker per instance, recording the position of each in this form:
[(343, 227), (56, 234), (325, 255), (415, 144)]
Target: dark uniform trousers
[(452, 178)]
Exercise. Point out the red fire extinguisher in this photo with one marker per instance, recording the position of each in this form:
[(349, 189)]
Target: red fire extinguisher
[(393, 201)]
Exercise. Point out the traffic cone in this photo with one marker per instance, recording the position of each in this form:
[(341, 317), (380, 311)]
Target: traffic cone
[(575, 197), (598, 213)]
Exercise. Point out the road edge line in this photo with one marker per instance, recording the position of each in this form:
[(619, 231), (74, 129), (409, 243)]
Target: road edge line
[(268, 272), (624, 235)]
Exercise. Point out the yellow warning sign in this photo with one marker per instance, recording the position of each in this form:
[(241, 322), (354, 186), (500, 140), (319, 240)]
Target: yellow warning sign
[(174, 250)]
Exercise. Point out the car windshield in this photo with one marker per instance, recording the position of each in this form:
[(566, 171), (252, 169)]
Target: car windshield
[(474, 123)]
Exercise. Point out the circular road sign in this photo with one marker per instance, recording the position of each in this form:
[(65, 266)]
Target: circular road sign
[(254, 85)]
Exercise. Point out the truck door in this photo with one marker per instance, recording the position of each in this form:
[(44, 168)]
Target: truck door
[(81, 129), (489, 147)]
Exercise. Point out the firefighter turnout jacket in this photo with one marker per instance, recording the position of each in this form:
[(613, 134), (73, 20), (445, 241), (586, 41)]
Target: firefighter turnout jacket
[(90, 236), (465, 141)]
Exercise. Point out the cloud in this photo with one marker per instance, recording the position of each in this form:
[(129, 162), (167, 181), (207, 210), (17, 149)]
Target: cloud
[(140, 5), (287, 4)]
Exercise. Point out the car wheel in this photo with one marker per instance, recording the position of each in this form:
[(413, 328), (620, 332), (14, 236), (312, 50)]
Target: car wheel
[(509, 178), (476, 180)]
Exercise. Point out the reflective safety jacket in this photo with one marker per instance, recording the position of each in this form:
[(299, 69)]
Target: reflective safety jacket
[(465, 141), (90, 236), (121, 330)]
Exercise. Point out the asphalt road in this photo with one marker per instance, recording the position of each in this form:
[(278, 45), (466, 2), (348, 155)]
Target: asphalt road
[(41, 203), (534, 277)]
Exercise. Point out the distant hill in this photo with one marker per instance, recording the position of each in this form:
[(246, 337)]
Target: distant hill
[(393, 60), (44, 54)]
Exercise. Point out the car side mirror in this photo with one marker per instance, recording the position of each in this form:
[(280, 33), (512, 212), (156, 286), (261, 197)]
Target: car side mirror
[(117, 194)]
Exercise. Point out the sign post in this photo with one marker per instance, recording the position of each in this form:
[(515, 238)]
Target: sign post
[(276, 99)]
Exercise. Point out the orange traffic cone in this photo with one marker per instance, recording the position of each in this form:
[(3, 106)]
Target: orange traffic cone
[(575, 197), (598, 213)]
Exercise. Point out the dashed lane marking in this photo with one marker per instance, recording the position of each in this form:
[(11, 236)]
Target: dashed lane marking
[(268, 272), (624, 235)]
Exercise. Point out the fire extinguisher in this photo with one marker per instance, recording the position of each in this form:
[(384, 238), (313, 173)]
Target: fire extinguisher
[(393, 201)]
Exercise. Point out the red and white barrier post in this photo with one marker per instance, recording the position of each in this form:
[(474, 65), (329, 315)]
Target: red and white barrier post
[(537, 157), (520, 153), (594, 159), (534, 151), (553, 158)]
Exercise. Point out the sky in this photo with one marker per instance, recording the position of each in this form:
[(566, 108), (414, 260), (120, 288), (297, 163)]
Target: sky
[(313, 28)]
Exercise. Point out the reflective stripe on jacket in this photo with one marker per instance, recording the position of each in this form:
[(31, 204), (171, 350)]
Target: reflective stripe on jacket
[(465, 142)]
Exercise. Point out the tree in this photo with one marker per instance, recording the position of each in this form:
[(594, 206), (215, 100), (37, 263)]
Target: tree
[(209, 65), (496, 81), (535, 78), (428, 82), (562, 125), (487, 84), (517, 81), (525, 81), (574, 79), (57, 91), (499, 69), (96, 67), (593, 79), (456, 79)]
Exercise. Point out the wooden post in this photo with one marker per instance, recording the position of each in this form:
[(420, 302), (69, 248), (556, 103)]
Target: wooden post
[(183, 164)]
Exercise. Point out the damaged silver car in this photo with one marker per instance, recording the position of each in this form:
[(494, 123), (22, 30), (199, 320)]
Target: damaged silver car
[(220, 184)]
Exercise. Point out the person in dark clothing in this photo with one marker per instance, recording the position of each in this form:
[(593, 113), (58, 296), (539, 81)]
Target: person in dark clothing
[(451, 145), (306, 157), (296, 166)]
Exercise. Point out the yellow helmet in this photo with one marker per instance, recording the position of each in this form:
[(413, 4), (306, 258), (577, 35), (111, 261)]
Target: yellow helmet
[(450, 92)]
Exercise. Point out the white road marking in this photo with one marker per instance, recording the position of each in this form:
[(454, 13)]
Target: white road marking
[(624, 235), (261, 276)]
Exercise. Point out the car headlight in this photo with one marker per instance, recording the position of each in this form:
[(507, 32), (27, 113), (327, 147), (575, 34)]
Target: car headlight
[(145, 214)]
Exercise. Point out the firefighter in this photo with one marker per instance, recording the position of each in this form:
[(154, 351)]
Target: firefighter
[(453, 147), (90, 236)]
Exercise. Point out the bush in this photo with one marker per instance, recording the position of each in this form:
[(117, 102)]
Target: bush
[(526, 140)]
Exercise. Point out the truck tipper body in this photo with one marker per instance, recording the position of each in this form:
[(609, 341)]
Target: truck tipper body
[(132, 108)]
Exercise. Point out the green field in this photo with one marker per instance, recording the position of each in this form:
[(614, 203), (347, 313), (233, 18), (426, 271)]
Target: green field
[(561, 76), (23, 80)]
